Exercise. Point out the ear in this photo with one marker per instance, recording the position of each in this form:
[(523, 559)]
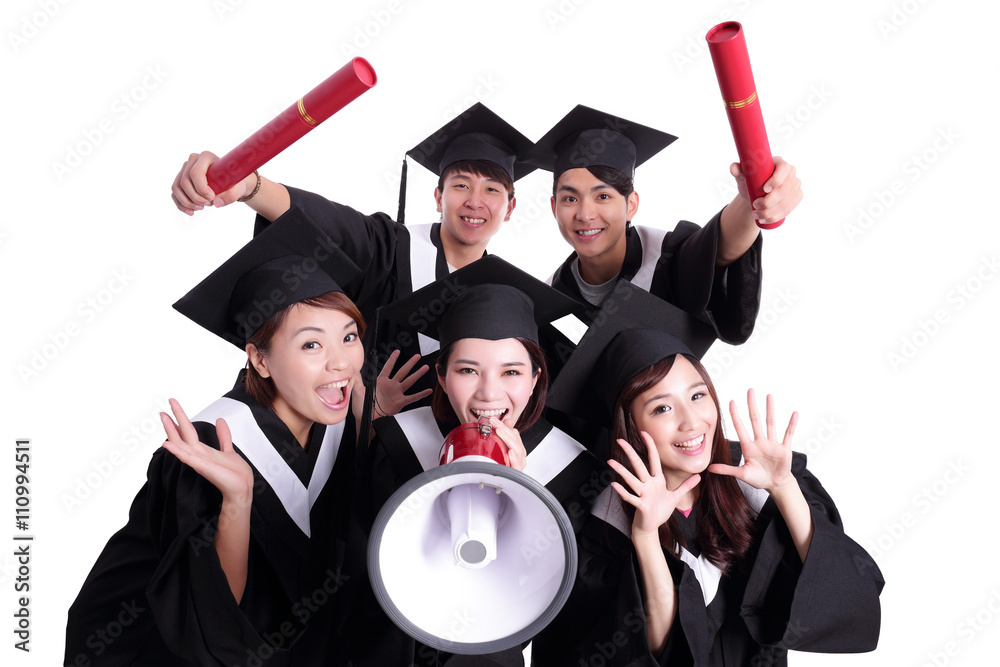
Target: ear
[(510, 208), (552, 201), (257, 360), (534, 380), (633, 205), (441, 381), (437, 198)]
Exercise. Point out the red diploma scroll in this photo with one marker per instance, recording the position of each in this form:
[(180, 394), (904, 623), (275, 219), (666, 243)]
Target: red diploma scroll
[(286, 128), (728, 47)]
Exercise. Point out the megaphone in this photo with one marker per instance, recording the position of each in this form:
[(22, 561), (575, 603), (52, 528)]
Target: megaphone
[(472, 556)]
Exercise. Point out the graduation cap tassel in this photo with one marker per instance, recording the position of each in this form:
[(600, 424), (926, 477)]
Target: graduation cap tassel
[(402, 194), (369, 379)]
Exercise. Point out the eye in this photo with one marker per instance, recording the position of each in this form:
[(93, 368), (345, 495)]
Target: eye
[(569, 199), (465, 371), (351, 337), (311, 345), (698, 395), (604, 195), (661, 409), (512, 371)]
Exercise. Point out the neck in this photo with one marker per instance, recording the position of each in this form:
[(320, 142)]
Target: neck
[(297, 425), (458, 254), (599, 269)]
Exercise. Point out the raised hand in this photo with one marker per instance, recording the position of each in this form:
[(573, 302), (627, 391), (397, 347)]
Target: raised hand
[(652, 500), (191, 192), (224, 467), (391, 387), (767, 463)]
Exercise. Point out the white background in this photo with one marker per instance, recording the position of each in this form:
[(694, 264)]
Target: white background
[(853, 93)]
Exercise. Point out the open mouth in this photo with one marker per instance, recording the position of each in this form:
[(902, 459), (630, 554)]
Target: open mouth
[(692, 446), (499, 413), (475, 222), (334, 395)]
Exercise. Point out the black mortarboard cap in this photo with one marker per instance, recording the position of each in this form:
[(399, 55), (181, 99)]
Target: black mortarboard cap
[(489, 299), (632, 331), (475, 134), (587, 137), (290, 261)]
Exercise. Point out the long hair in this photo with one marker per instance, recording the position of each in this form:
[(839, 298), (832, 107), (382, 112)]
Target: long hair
[(724, 518), (262, 389), (441, 406)]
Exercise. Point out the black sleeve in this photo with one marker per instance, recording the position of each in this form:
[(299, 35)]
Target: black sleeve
[(188, 594), (688, 278), (829, 603)]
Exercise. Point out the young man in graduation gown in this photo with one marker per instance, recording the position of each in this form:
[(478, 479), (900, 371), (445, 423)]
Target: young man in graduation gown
[(712, 271), (475, 157)]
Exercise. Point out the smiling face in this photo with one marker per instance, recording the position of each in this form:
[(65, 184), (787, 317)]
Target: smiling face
[(486, 378), (313, 359), (680, 415), (592, 215), (472, 207)]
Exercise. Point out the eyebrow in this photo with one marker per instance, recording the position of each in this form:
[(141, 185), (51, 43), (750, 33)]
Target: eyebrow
[(473, 362), (308, 327), (668, 394), (470, 176), (570, 189)]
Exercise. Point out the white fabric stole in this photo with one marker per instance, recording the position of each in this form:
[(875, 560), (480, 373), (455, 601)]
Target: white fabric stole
[(423, 271), (651, 240), (251, 441), (423, 434)]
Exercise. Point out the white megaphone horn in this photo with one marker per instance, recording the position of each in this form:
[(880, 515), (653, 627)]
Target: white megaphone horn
[(472, 556)]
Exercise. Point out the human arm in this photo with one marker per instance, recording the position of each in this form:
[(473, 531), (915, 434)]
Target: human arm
[(191, 192), (653, 503), (767, 465), (738, 226), (232, 476)]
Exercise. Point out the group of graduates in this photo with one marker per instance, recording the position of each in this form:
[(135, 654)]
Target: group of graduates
[(368, 341)]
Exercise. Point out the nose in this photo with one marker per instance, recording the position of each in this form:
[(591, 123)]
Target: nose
[(337, 359), (687, 418), (488, 388), (587, 210)]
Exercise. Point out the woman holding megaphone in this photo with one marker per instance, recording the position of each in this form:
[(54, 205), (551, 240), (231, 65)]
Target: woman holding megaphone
[(491, 374)]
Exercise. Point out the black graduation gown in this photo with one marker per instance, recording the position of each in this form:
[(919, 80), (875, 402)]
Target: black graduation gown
[(395, 260), (157, 594), (679, 267), (405, 446), (768, 604)]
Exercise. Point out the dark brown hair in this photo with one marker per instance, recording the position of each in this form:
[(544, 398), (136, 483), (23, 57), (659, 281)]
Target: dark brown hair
[(483, 168), (616, 178), (441, 406), (262, 389), (724, 517)]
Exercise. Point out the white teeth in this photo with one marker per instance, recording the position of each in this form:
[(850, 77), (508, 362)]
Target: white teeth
[(588, 232), (475, 221), (487, 413), (692, 444), (339, 384)]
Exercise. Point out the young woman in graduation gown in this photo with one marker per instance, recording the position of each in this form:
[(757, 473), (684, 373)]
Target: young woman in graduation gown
[(490, 366), (705, 551), (233, 550), (713, 271)]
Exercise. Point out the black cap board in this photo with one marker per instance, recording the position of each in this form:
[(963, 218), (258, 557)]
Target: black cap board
[(632, 331), (489, 299), (290, 261), (587, 137)]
